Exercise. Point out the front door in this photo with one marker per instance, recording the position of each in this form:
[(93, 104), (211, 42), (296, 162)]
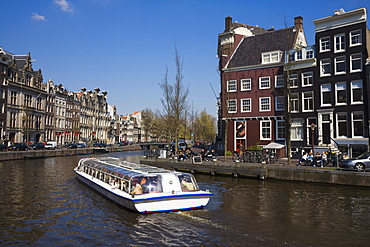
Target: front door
[(325, 127)]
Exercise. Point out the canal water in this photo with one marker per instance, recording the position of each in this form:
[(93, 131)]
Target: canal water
[(43, 204)]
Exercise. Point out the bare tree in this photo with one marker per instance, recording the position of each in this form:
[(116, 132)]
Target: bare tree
[(174, 101)]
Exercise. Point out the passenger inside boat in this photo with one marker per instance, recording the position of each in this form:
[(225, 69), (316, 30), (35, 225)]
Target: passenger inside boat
[(147, 184), (186, 182)]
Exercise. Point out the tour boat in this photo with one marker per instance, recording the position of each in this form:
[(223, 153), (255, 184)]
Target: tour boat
[(142, 188)]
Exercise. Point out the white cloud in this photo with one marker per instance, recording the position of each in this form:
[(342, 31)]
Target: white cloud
[(64, 5), (38, 17)]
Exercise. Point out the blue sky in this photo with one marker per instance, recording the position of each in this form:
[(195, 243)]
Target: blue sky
[(123, 47)]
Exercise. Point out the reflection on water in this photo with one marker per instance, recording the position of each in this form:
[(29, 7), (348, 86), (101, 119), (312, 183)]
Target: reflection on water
[(42, 202)]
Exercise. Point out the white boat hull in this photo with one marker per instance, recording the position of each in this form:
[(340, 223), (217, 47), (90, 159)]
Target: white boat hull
[(148, 203)]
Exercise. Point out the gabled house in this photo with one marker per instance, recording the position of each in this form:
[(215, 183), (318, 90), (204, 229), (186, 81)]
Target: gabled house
[(343, 44), (251, 64)]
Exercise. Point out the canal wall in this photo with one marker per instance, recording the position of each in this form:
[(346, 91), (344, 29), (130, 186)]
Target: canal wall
[(328, 175), (16, 155)]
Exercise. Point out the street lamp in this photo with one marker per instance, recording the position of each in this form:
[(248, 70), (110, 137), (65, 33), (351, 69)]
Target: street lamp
[(313, 126)]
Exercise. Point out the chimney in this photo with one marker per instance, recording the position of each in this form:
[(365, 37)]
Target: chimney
[(298, 23), (228, 23)]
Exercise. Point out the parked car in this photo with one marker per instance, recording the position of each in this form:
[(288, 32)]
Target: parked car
[(100, 145), (72, 145), (37, 146), (18, 147), (51, 145), (360, 163), (3, 147), (81, 145), (123, 143)]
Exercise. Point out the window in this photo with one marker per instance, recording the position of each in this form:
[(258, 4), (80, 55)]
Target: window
[(356, 92), (279, 103), (307, 98), (265, 104), (264, 82), (340, 93), (293, 80), (342, 124), (279, 81), (271, 57), (231, 86), (245, 84), (356, 62), (355, 38), (339, 43), (246, 105), (13, 117), (13, 97), (357, 124), (299, 55), (294, 102), (326, 95), (231, 106), (325, 67), (280, 129), (307, 79), (340, 65), (325, 44), (296, 131), (309, 54), (265, 130)]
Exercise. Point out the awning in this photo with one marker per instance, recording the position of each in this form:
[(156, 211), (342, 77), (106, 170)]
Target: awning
[(274, 145), (351, 141)]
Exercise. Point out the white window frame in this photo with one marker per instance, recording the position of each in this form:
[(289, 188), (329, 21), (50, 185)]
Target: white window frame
[(339, 42), (337, 61), (293, 78), (296, 131), (307, 76), (280, 124), (242, 105), (352, 60), (325, 89), (356, 85), (279, 81), (340, 86), (231, 86), (264, 82), (324, 44), (294, 103), (265, 127), (357, 120), (307, 101), (309, 54), (265, 106), (327, 62), (271, 57), (234, 105), (342, 121), (354, 34), (279, 103), (245, 84)]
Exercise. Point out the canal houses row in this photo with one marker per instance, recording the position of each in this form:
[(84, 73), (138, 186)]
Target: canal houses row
[(273, 81), (34, 111)]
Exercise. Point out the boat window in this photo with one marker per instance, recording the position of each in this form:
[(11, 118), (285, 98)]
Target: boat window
[(187, 182), (146, 184)]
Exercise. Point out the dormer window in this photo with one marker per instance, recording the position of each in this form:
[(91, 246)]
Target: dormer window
[(271, 57)]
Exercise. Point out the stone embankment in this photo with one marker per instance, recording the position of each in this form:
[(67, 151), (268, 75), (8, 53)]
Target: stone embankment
[(330, 175), (33, 154)]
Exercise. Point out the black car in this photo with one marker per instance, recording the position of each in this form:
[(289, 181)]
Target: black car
[(18, 147), (100, 145), (37, 146), (72, 145), (3, 147)]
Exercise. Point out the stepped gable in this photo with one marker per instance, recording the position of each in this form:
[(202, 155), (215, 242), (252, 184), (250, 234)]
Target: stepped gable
[(249, 51)]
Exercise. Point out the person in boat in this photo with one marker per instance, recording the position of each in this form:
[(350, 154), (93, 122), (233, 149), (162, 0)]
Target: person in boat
[(186, 184), (140, 188)]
